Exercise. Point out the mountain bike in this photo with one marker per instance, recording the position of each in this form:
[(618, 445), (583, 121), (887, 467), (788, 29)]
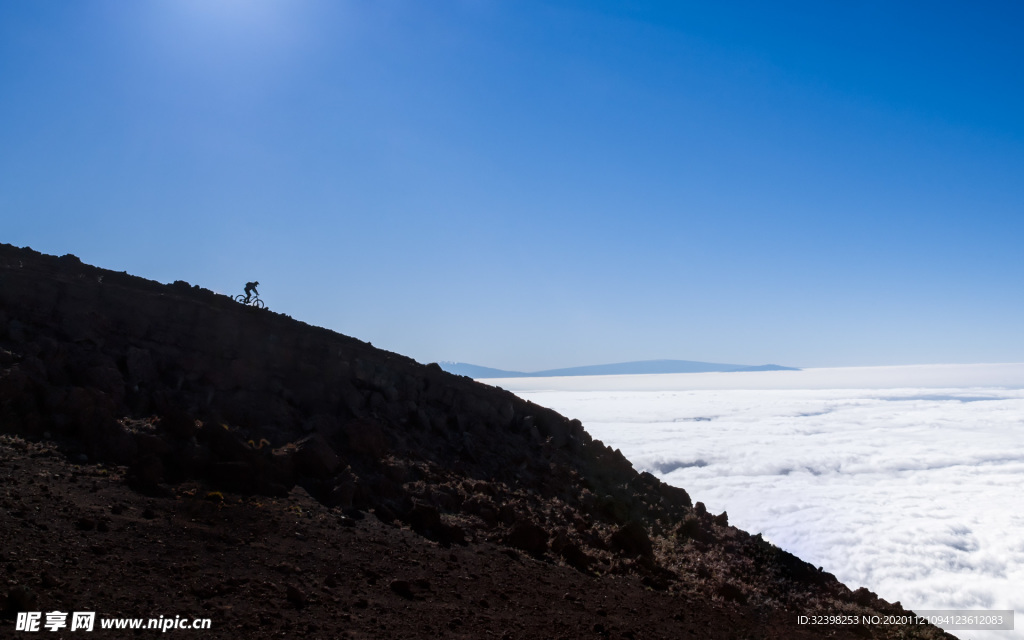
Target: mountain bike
[(254, 301)]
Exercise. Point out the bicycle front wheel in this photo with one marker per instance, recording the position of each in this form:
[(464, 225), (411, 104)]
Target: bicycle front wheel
[(259, 304)]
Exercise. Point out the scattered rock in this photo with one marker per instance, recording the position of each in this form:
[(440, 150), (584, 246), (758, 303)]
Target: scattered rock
[(528, 537), (296, 596), (315, 458), (402, 587), (632, 540), (730, 591)]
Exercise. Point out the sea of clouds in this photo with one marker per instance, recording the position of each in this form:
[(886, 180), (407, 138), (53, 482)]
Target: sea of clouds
[(906, 480)]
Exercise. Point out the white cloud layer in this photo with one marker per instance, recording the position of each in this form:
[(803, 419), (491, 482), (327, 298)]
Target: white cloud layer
[(906, 480)]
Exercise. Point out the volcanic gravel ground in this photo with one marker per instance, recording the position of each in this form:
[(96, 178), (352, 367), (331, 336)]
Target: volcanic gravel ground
[(76, 538)]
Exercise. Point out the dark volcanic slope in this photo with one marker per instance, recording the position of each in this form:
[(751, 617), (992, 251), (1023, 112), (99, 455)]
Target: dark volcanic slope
[(162, 395)]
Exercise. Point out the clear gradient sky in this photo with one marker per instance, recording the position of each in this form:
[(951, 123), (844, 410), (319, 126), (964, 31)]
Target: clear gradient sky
[(531, 184)]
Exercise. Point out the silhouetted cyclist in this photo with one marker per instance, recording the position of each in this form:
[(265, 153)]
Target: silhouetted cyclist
[(250, 288)]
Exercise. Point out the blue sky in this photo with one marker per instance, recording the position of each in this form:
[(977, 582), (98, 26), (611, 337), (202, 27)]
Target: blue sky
[(530, 184)]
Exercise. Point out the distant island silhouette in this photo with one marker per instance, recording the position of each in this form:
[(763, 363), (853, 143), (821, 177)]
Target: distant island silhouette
[(619, 368)]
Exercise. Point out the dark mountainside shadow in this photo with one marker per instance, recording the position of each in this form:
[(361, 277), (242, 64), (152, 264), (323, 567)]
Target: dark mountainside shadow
[(316, 472)]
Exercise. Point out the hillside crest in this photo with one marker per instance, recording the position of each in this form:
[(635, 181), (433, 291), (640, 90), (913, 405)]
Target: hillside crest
[(177, 384)]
